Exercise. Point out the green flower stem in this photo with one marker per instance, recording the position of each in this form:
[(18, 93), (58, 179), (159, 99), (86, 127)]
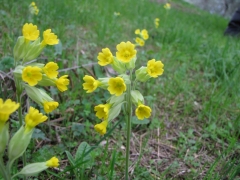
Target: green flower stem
[(129, 117), (3, 170), (19, 100)]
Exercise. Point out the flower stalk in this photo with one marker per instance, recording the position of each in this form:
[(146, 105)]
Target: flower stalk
[(128, 133)]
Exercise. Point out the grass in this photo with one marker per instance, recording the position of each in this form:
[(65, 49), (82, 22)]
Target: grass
[(194, 129)]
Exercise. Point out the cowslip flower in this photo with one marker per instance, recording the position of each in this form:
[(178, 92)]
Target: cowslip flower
[(7, 108), (102, 127), (31, 75), (105, 57), (143, 111), (36, 168), (116, 86), (140, 41), (167, 6), (30, 32), (126, 51), (144, 34), (49, 38), (33, 8), (33, 118), (102, 111), (155, 68), (116, 13), (50, 69), (50, 106), (137, 31), (62, 83), (53, 162), (90, 84)]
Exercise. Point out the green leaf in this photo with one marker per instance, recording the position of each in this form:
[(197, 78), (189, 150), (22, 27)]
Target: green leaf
[(82, 149), (70, 158)]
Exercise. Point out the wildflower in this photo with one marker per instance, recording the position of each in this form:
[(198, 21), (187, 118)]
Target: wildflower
[(140, 41), (167, 6), (102, 111), (144, 34), (50, 106), (50, 69), (117, 14), (90, 84), (31, 75), (7, 108), (116, 86), (49, 38), (126, 51), (105, 57), (155, 68), (30, 32), (102, 127), (62, 83), (53, 162), (33, 8), (143, 111), (156, 22), (137, 31), (33, 118)]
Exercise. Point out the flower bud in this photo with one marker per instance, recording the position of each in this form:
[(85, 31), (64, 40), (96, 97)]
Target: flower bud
[(20, 48), (18, 144), (142, 75), (136, 97), (33, 169), (34, 50), (118, 66), (131, 64)]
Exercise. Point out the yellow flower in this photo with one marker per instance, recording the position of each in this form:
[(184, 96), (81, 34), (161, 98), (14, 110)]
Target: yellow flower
[(102, 127), (167, 6), (50, 106), (143, 111), (30, 32), (137, 31), (53, 162), (156, 21), (155, 68), (62, 83), (49, 38), (125, 51), (90, 84), (7, 108), (116, 86), (50, 69), (140, 41), (117, 14), (105, 57), (144, 34), (33, 118), (102, 111), (31, 75)]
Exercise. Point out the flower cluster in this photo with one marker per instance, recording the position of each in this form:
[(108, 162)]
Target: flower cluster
[(143, 36), (33, 8), (167, 6), (120, 87), (28, 75), (156, 22), (21, 139)]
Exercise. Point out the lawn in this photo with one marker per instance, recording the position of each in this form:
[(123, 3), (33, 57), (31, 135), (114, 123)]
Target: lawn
[(193, 131)]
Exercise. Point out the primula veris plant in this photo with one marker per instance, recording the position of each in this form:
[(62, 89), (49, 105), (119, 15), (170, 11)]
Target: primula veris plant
[(167, 6), (143, 36), (33, 9), (122, 87), (29, 77)]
